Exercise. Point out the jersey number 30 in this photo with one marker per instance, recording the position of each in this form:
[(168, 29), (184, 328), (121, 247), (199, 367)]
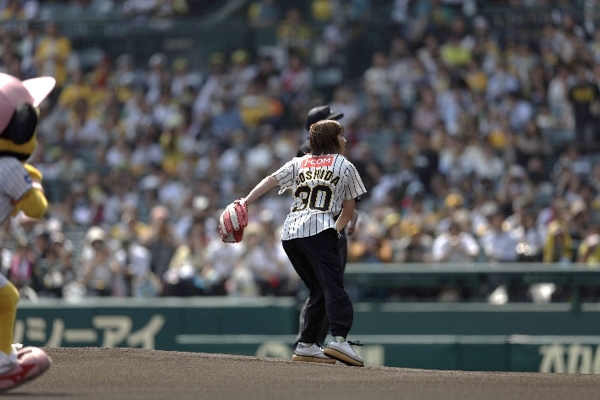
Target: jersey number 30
[(317, 198)]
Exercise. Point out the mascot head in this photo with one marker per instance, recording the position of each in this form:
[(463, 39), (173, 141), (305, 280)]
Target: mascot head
[(18, 114)]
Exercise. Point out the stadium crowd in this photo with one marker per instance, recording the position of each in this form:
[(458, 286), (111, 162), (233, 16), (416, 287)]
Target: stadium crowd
[(475, 145)]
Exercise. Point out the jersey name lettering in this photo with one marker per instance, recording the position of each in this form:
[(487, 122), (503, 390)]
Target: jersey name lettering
[(322, 174), (324, 161)]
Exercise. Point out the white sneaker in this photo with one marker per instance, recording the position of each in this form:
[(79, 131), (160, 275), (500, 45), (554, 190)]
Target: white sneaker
[(7, 361), (312, 353), (345, 353)]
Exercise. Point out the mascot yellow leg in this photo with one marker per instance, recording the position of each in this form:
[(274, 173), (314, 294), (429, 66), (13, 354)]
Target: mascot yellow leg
[(9, 297)]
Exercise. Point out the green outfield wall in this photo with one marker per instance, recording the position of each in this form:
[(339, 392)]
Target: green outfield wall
[(463, 336)]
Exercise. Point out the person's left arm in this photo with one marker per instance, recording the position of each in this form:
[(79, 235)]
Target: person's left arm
[(351, 227), (346, 215)]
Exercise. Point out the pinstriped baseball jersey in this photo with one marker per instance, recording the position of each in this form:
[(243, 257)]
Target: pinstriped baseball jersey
[(319, 184), (14, 183)]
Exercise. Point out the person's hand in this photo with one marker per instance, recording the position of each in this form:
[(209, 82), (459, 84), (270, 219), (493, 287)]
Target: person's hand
[(352, 224)]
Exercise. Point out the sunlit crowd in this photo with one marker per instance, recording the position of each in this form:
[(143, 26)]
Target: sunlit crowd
[(474, 145)]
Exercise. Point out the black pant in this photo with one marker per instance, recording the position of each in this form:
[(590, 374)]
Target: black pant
[(316, 259)]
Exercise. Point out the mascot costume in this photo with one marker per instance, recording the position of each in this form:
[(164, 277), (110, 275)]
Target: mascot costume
[(20, 190)]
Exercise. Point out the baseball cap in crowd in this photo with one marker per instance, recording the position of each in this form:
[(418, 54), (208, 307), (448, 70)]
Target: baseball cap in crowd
[(320, 113)]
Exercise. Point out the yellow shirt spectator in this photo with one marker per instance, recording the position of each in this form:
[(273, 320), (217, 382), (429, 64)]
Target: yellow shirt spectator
[(75, 90), (454, 54), (589, 250), (52, 54), (558, 243)]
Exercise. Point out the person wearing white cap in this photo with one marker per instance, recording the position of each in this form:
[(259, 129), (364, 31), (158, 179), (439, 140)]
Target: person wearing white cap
[(20, 191)]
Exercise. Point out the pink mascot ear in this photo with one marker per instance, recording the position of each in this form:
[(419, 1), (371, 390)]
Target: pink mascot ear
[(39, 88), (22, 125), (14, 92)]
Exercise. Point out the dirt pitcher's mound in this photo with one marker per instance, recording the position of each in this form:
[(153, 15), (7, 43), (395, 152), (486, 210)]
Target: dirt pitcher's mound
[(100, 373)]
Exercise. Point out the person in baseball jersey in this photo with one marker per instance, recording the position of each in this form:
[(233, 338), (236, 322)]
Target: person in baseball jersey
[(20, 190), (324, 184), (317, 114)]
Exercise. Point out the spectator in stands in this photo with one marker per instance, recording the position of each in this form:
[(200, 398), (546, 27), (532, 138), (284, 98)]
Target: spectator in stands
[(268, 74), (501, 82), (531, 237), (26, 48), (335, 39), (558, 94), (584, 97), (425, 115), (452, 206), (228, 121), (184, 82), (130, 224), (589, 250), (69, 167), (189, 272), (146, 153), (83, 126), (242, 71), (455, 245), (258, 260), (532, 143), (407, 241), (133, 262), (159, 240), (376, 79), (373, 248), (41, 243), (424, 158), (255, 106), (157, 77), (214, 87), (454, 54), (480, 157), (124, 73), (293, 33), (23, 270), (76, 88), (498, 244), (558, 244), (58, 269), (581, 222), (296, 80), (52, 54), (101, 274), (515, 188), (118, 154)]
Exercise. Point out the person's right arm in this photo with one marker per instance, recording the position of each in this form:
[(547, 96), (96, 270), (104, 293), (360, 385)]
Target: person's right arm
[(263, 187)]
